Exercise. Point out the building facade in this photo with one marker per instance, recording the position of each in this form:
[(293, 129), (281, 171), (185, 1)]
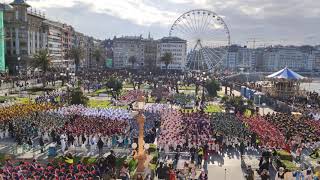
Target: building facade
[(240, 57), (296, 58), (150, 53), (27, 32), (55, 43), (177, 47), (25, 35), (126, 47)]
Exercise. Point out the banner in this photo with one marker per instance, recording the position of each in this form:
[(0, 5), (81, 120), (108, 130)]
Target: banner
[(109, 63), (2, 40)]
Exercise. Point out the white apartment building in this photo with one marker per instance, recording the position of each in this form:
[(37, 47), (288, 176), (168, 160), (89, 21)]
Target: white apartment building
[(316, 65), (126, 47), (292, 57), (177, 47), (55, 45), (240, 57)]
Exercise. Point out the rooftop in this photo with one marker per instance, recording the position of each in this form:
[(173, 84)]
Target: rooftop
[(20, 2), (172, 39)]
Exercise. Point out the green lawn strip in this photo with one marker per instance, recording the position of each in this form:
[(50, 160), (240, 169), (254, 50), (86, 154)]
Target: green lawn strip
[(6, 98), (99, 103), (119, 107), (213, 109), (24, 100), (289, 165), (187, 88), (99, 91), (284, 155)]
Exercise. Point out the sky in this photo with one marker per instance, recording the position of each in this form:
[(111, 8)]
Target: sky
[(295, 22)]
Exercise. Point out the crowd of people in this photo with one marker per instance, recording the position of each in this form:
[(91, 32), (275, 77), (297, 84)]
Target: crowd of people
[(202, 136), (268, 136), (131, 96), (52, 97), (36, 170)]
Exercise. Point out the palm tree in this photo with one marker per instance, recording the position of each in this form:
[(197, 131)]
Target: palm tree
[(42, 60), (76, 53), (167, 59), (97, 54), (132, 60)]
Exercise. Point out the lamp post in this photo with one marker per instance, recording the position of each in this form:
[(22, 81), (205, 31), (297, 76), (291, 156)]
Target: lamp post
[(259, 100), (263, 106), (141, 155), (204, 80)]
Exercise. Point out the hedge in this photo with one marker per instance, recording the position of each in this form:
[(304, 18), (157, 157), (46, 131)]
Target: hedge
[(284, 155)]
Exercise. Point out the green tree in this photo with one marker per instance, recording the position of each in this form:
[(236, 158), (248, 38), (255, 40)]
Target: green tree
[(42, 60), (167, 59), (212, 87), (77, 97), (76, 53), (116, 86), (97, 55), (132, 60)]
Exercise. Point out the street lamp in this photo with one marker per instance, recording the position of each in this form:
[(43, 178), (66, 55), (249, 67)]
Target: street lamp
[(259, 100), (203, 83), (141, 155), (263, 106)]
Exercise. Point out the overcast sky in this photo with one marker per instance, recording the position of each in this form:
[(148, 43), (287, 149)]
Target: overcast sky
[(269, 21)]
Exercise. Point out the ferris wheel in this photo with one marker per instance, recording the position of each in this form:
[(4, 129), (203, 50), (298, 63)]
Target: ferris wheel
[(207, 36)]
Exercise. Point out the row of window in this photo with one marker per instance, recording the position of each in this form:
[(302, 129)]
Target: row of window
[(172, 50), (172, 45)]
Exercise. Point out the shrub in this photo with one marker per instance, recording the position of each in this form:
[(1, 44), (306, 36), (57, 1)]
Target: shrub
[(284, 155), (77, 97), (289, 165), (133, 165)]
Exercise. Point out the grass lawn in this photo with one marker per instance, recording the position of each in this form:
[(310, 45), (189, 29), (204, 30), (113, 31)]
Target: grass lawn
[(24, 100), (99, 103), (187, 87), (119, 107), (213, 109), (99, 91), (6, 98)]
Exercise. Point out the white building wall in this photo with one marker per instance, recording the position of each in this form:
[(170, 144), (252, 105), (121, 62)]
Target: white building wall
[(179, 55)]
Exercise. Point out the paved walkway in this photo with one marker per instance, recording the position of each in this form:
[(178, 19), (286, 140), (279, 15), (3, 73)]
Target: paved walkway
[(228, 169)]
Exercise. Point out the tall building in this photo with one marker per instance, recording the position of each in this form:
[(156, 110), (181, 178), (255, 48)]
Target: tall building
[(240, 57), (67, 39), (25, 35), (150, 53), (316, 54), (177, 47), (55, 44), (126, 47), (27, 32), (296, 58)]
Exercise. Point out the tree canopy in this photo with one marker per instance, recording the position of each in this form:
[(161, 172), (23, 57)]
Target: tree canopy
[(42, 60), (212, 87), (167, 59)]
